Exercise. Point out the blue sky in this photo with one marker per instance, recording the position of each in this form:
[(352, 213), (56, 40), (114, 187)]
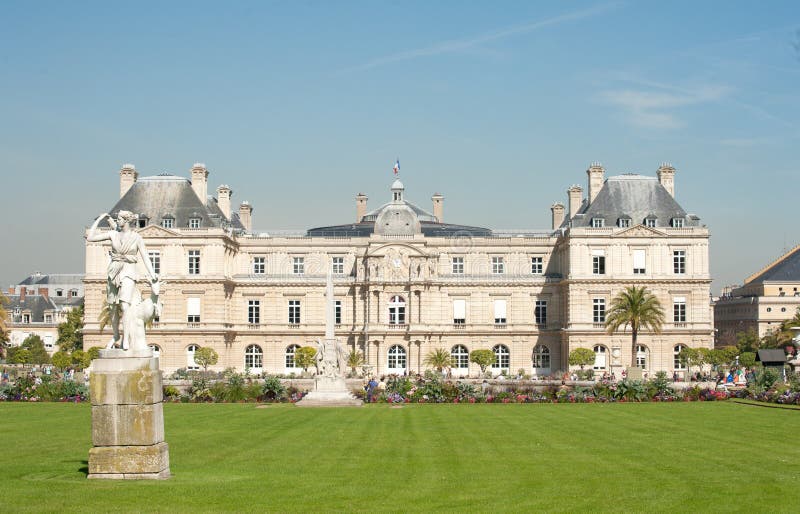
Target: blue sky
[(500, 106)]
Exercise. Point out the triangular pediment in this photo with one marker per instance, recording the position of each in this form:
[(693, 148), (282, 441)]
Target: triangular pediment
[(640, 231), (156, 231)]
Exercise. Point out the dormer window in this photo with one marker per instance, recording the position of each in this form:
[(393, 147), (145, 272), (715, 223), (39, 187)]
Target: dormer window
[(624, 222), (59, 292), (168, 222), (142, 221), (677, 222), (598, 222), (650, 222), (194, 222)]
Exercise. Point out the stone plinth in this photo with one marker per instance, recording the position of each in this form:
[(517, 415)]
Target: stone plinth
[(127, 418)]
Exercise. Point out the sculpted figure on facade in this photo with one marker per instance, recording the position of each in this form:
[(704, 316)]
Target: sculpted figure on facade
[(127, 249)]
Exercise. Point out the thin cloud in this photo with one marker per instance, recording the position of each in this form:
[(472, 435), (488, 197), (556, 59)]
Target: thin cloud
[(651, 108), (459, 45)]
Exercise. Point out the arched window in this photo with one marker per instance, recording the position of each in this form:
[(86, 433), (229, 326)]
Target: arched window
[(290, 350), (641, 356), (502, 357), (253, 358), (190, 363), (460, 356), (676, 357), (599, 357), (397, 359), (397, 310), (541, 357), (157, 350)]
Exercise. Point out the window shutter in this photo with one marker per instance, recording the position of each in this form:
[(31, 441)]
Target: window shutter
[(598, 253), (499, 308), (193, 306), (638, 259), (459, 309)]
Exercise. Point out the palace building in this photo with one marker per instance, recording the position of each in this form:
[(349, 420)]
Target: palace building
[(407, 282)]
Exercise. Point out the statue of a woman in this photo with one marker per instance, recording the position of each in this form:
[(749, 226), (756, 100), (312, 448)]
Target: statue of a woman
[(127, 247)]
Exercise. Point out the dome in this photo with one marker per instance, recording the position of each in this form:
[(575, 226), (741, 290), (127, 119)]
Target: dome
[(397, 184)]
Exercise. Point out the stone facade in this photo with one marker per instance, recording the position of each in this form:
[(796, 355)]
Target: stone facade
[(408, 283)]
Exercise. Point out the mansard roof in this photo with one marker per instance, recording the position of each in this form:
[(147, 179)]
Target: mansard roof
[(65, 279), (785, 269), (167, 195), (429, 229), (35, 304), (636, 197)]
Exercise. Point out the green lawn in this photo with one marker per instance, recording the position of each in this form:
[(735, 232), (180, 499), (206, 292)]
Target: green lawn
[(703, 457)]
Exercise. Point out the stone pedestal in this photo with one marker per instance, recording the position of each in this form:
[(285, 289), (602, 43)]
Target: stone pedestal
[(127, 418)]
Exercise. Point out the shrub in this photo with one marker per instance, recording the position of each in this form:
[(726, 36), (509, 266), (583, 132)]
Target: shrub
[(171, 392), (273, 389)]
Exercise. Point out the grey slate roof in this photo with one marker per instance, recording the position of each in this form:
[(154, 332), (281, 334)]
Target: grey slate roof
[(429, 229), (421, 213), (632, 196), (774, 355), (171, 196), (785, 270), (35, 304)]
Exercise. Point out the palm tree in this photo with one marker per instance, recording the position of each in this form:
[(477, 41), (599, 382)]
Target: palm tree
[(638, 308), (355, 359), (438, 359)]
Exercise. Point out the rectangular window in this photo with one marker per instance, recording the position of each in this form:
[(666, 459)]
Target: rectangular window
[(650, 222), (598, 262), (259, 265), (498, 266), (458, 265), (194, 223), (679, 262), (48, 318), (294, 312), (624, 223), (679, 309), (677, 222), (26, 318), (540, 312), (338, 265), (194, 262), (599, 310), (536, 265), (253, 312), (167, 222), (598, 222), (459, 312), (499, 312), (155, 261), (298, 265), (193, 310), (638, 262), (337, 312)]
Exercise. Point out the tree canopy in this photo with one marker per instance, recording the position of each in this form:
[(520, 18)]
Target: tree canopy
[(70, 332), (305, 356), (581, 357), (205, 357), (482, 358)]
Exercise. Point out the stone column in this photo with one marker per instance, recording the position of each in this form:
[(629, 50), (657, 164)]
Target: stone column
[(127, 418)]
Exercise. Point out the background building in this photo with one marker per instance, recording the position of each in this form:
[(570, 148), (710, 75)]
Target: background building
[(408, 282), (767, 298)]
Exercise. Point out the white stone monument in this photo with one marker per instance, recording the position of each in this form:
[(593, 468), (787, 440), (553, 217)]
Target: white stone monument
[(125, 384), (330, 389)]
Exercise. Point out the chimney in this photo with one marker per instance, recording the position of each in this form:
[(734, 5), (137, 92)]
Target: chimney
[(557, 209), (575, 194), (44, 292), (361, 206), (666, 175), (200, 181), (438, 207), (22, 292), (11, 290), (596, 174), (246, 215), (127, 178), (224, 194)]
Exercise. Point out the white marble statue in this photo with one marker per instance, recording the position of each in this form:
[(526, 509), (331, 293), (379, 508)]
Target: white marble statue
[(122, 296)]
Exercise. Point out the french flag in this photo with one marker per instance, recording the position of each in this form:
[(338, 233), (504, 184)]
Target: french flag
[(396, 167)]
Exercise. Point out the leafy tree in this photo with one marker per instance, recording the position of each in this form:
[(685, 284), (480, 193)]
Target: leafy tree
[(19, 355), (439, 359), (747, 359), (355, 359), (305, 357), (748, 341), (637, 308), (581, 357), (205, 357), (35, 345), (3, 321), (81, 359), (70, 332), (482, 358), (62, 360)]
